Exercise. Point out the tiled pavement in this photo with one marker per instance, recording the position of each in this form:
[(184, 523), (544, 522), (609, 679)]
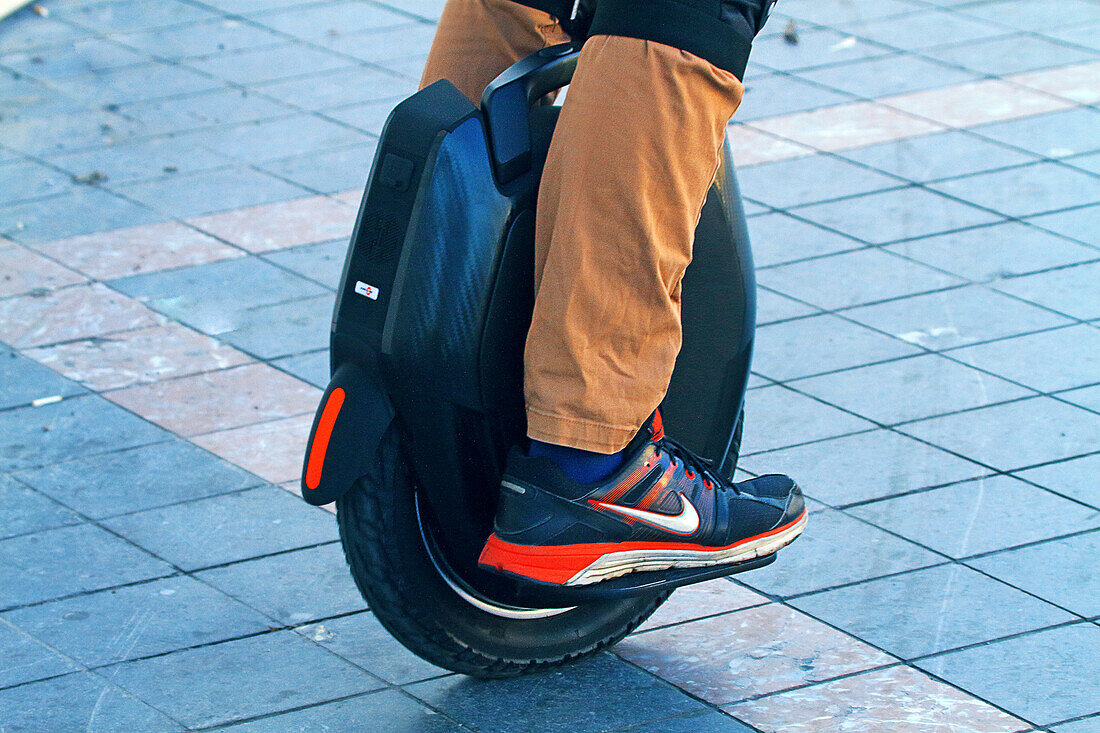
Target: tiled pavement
[(177, 180)]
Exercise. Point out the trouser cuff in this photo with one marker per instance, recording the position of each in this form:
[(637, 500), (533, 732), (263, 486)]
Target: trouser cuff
[(580, 434)]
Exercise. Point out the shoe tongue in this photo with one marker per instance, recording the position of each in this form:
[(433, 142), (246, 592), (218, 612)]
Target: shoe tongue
[(652, 429)]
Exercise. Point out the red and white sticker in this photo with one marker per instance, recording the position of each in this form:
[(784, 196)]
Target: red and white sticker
[(368, 290)]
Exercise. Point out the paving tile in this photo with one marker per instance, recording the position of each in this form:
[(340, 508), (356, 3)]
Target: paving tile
[(220, 693), (709, 720), (955, 317), (22, 381), (123, 252), (559, 700), (931, 610), (83, 210), (910, 389), (853, 278), (315, 21), (815, 47), (845, 126), (1046, 361), (896, 699), (1037, 676), (1087, 725), (24, 30), (220, 400), (363, 641), (864, 466), (750, 146), (312, 368), (1010, 55), (1030, 189), (47, 570), (24, 180), (940, 155), (138, 621), (136, 479), (206, 192), (294, 587), (811, 562), (339, 88), (926, 30), (780, 94), (255, 65), (205, 38), (1076, 83), (840, 12), (781, 352), (1055, 135), (1089, 162), (1087, 397), (995, 252), (77, 427), (979, 516), (1073, 585), (272, 450), (787, 183), (140, 159), (1070, 290), (748, 653), (778, 238), (1018, 15), (697, 601), (89, 702), (369, 116), (23, 510), (288, 328), (216, 297), (780, 417), (327, 171), (206, 109), (26, 660), (284, 224), (878, 77), (225, 528), (77, 312), (134, 14), (1075, 478), (975, 103), (303, 134), (890, 216), (772, 307), (391, 706), (135, 83), (322, 262), (381, 45)]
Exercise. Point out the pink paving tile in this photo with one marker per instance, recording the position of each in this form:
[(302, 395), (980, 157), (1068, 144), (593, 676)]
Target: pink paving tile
[(280, 225), (272, 450), (703, 599), (846, 126), (220, 400), (975, 103), (22, 271), (1079, 83), (122, 252), (899, 700), (752, 146), (352, 197), (138, 357), (76, 312), (759, 650)]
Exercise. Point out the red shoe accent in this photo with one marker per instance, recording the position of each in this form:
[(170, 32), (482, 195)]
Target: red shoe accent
[(658, 426)]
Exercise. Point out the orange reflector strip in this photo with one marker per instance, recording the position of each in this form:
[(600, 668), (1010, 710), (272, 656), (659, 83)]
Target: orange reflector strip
[(321, 438)]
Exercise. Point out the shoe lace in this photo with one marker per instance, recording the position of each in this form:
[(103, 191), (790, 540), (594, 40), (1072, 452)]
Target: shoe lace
[(694, 462)]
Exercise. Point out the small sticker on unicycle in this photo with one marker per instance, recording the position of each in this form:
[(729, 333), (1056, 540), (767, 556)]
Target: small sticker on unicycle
[(366, 290)]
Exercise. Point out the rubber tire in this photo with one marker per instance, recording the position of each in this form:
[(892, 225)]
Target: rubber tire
[(391, 566)]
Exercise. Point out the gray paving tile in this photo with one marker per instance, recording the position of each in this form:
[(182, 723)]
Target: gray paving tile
[(1087, 725), (772, 307), (193, 194), (854, 278), (225, 528), (339, 88), (820, 344), (328, 171), (1090, 162), (840, 12), (1057, 571), (207, 109), (710, 720), (23, 381), (369, 117), (82, 57), (283, 670), (397, 710), (931, 610), (294, 587), (779, 417), (254, 65), (1070, 290), (410, 67), (1037, 676), (82, 426), (135, 83), (1002, 56), (787, 183), (955, 317), (926, 30), (910, 389), (1075, 478), (865, 466), (1027, 190), (815, 47), (25, 181), (775, 95), (47, 570), (1046, 361), (879, 77), (24, 30), (812, 562), (123, 15), (940, 155), (138, 620), (701, 600), (142, 159), (89, 703), (1079, 224), (251, 7), (363, 641), (778, 238), (891, 216), (559, 700), (1019, 15), (429, 10), (995, 252), (272, 331), (215, 298), (200, 39), (316, 21), (1055, 135), (26, 660), (377, 46), (139, 478), (313, 368), (320, 262), (303, 134), (83, 210), (1087, 397), (23, 510), (981, 515)]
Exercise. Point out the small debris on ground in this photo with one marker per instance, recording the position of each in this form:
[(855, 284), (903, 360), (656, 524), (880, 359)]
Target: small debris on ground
[(790, 33), (93, 178), (41, 10), (46, 400), (171, 169)]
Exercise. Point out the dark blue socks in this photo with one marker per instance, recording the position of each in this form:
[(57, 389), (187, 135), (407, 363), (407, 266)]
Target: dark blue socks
[(582, 466)]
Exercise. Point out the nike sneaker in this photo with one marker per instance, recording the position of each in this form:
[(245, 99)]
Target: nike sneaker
[(663, 508)]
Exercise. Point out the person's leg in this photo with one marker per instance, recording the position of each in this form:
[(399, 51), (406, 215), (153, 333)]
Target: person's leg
[(478, 39)]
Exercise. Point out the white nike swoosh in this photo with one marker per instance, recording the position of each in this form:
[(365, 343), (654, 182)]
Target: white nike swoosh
[(686, 522)]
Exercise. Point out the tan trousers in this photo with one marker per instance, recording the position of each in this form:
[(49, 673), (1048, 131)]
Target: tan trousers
[(635, 151)]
